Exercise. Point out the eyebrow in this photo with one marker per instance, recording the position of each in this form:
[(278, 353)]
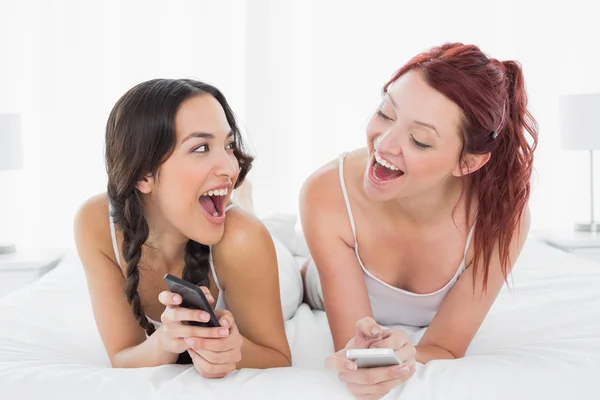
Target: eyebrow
[(203, 135), (426, 125), (421, 123)]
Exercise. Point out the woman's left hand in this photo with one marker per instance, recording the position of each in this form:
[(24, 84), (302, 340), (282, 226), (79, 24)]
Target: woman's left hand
[(216, 357), (374, 383)]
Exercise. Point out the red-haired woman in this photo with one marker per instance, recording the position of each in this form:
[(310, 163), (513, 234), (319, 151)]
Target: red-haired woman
[(438, 203)]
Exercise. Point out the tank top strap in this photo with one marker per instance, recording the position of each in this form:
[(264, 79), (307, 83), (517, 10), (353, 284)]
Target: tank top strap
[(346, 199), (113, 234)]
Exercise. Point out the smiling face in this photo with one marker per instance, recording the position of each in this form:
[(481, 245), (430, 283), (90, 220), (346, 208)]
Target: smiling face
[(193, 186), (414, 140)]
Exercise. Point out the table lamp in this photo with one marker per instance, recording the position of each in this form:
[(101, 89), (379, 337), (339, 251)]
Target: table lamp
[(11, 158), (580, 130)]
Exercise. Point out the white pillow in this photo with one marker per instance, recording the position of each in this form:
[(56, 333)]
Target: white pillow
[(282, 226), (290, 281), (299, 247)]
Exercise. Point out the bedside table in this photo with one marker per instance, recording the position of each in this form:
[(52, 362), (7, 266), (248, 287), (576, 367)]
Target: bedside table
[(26, 266), (583, 244)]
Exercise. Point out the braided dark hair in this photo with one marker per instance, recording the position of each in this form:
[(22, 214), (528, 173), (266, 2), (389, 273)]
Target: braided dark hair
[(140, 136)]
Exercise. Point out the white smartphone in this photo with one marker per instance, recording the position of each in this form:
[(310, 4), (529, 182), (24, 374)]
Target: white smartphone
[(368, 358)]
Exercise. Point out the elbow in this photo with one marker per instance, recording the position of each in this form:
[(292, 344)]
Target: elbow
[(115, 361), (281, 360), (119, 359), (431, 352), (287, 361), (284, 360), (455, 354)]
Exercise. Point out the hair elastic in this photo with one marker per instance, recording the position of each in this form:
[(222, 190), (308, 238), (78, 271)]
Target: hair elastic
[(494, 133)]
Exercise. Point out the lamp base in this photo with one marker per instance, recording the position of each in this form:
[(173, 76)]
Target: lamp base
[(587, 227), (7, 248)]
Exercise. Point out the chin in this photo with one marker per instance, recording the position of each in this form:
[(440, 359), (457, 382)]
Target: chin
[(378, 194), (209, 236)]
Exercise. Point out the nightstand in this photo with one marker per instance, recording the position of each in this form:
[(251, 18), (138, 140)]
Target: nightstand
[(26, 266), (583, 244)]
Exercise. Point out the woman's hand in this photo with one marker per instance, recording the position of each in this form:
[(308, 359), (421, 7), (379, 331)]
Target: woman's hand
[(172, 333), (374, 383), (216, 357)]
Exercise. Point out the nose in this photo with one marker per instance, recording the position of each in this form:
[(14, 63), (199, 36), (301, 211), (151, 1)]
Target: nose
[(388, 142), (226, 164)]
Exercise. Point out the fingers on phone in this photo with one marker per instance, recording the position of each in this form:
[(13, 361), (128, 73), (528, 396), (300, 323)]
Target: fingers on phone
[(187, 314), (207, 294), (201, 332), (407, 353), (225, 318), (368, 327), (215, 345), (168, 298), (337, 362)]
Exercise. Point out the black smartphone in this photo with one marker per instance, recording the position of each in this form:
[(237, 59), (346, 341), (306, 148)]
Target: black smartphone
[(193, 298)]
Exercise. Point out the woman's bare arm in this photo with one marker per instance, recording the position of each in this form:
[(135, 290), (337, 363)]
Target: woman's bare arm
[(123, 338), (246, 266)]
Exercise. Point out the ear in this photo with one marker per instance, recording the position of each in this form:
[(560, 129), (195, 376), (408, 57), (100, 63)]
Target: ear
[(145, 184), (470, 164)]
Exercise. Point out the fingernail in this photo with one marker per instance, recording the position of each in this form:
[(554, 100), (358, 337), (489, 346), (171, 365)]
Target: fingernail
[(190, 342), (223, 332), (375, 331), (351, 365), (225, 323), (203, 317), (176, 298), (401, 370), (412, 370)]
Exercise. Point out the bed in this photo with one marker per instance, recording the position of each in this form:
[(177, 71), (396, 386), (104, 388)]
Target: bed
[(541, 340)]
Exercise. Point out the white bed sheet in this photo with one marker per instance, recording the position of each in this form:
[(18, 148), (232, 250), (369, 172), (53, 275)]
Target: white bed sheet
[(541, 340)]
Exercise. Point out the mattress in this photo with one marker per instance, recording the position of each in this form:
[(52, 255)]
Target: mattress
[(541, 340)]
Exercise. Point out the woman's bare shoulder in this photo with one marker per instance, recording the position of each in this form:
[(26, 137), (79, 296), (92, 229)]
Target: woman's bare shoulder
[(92, 227), (245, 243)]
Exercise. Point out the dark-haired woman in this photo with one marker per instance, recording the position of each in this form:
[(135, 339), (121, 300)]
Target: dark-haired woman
[(174, 154), (438, 203)]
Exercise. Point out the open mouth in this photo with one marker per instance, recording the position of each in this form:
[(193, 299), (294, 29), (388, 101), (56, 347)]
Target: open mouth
[(383, 170), (213, 202)]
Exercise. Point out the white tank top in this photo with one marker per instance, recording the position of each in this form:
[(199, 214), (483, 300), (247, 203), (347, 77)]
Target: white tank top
[(391, 305), (221, 304)]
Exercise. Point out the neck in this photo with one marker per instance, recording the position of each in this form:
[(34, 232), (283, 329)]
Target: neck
[(429, 207), (165, 242)]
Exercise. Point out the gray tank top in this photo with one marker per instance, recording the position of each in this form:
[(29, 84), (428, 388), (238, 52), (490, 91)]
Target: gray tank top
[(391, 305)]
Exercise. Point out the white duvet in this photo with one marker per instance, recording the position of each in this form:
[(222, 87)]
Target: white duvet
[(541, 340)]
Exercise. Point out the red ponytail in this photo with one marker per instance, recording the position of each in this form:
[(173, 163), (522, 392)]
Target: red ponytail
[(493, 100)]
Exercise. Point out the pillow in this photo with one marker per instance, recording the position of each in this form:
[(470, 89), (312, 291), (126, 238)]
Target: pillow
[(282, 226), (298, 246), (291, 288), (288, 229)]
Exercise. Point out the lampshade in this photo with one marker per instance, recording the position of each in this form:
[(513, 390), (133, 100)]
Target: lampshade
[(579, 122), (11, 153)]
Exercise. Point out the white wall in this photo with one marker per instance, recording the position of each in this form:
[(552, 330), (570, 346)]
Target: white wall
[(303, 76), (65, 63), (326, 69)]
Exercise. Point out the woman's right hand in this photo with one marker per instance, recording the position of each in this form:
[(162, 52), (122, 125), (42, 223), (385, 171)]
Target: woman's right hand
[(172, 333)]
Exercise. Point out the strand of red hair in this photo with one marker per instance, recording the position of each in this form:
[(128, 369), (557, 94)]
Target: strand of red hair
[(495, 119)]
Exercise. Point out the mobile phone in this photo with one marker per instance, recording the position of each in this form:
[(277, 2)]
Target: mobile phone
[(369, 358), (192, 297)]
